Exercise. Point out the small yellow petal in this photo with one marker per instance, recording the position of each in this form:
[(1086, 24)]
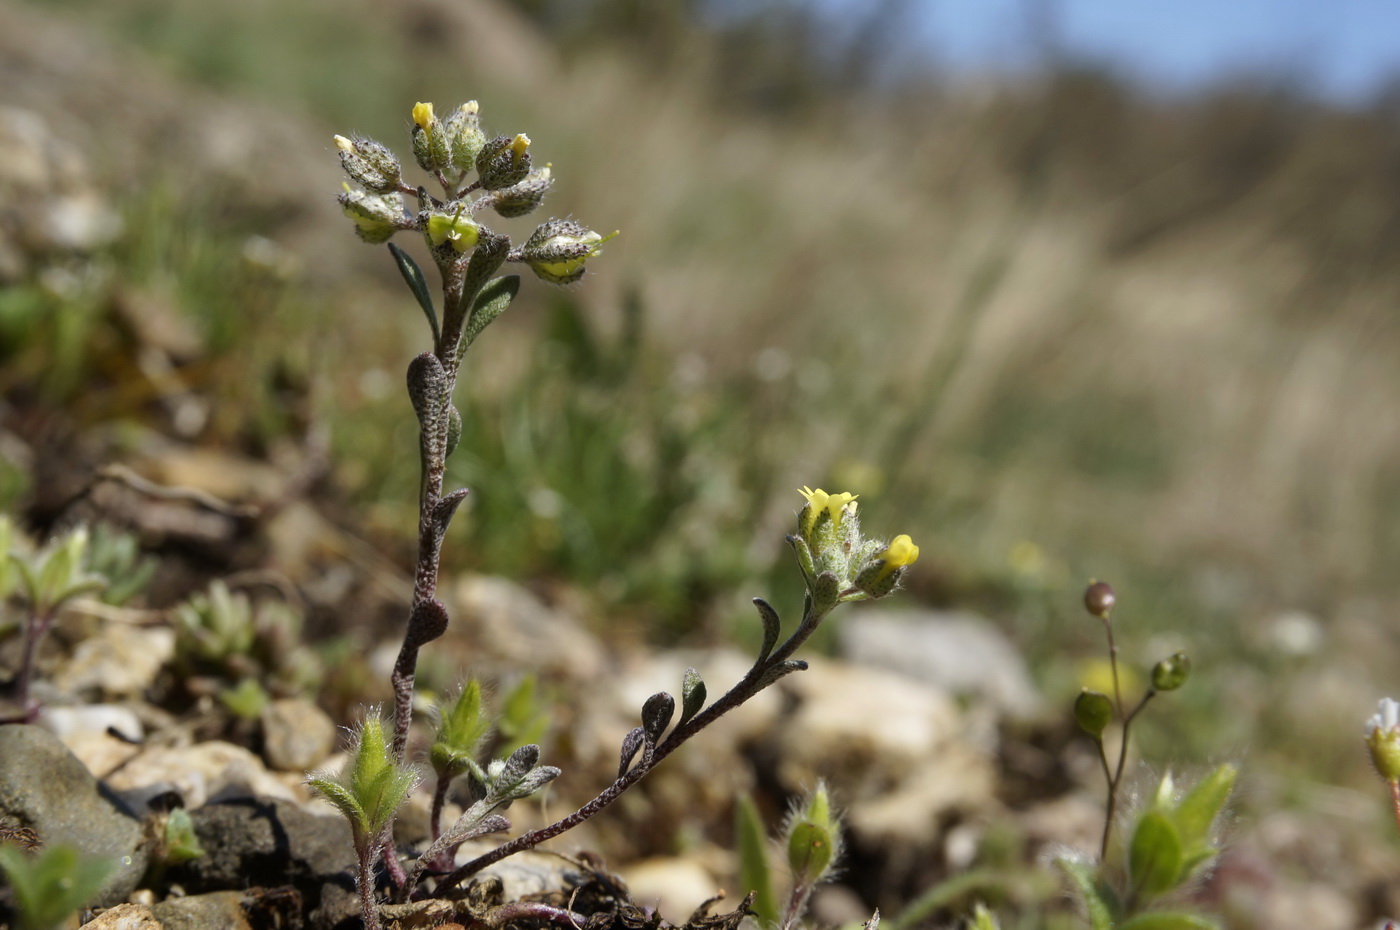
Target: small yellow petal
[(423, 115)]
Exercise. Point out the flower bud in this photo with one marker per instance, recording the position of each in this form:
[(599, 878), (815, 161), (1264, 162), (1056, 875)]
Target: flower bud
[(813, 838), (1099, 599), (503, 161), (520, 199), (463, 131), (369, 164), (431, 147), (376, 216), (881, 574), (458, 229), (1171, 673), (1092, 711), (557, 250), (1383, 740)]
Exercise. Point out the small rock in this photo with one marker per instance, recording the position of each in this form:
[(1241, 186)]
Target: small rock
[(266, 841), (124, 917), (120, 661), (201, 773), (68, 722), (222, 909), (674, 886), (895, 751), (44, 786), (506, 621), (297, 735), (960, 653)]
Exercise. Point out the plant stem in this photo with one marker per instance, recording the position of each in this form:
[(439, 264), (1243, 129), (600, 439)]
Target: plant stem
[(1395, 801), (752, 683), (369, 908), (1117, 777), (1113, 665)]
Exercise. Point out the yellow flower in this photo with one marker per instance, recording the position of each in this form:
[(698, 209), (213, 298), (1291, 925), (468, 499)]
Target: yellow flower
[(518, 146), (900, 552), (423, 115), (835, 504)]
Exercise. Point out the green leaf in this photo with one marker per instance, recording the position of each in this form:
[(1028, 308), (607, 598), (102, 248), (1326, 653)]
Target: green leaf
[(462, 727), (47, 888), (1169, 920), (692, 695), (754, 872), (413, 275), (343, 800), (1155, 855), (1082, 877), (1198, 810), (809, 849), (493, 300), (181, 843)]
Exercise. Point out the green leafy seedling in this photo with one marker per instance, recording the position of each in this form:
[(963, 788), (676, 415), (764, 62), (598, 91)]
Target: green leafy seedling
[(51, 886)]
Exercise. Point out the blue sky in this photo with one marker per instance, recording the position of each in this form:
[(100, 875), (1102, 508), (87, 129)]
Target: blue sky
[(1340, 49)]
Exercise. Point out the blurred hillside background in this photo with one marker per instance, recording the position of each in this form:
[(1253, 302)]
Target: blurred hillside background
[(1061, 294)]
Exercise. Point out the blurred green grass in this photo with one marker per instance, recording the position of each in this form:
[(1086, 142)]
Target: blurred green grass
[(1153, 343)]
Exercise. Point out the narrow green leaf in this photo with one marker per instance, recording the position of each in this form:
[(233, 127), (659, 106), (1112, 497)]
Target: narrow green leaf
[(493, 300), (413, 275), (1082, 877), (1169, 920), (1154, 856), (344, 801), (754, 872), (1202, 804)]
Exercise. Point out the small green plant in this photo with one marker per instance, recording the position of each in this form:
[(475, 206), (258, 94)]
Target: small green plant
[(45, 581), (1383, 743), (838, 563), (1171, 841), (811, 839), (249, 651), (49, 886)]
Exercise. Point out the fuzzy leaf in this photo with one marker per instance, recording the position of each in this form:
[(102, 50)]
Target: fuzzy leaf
[(493, 300), (537, 778), (692, 695), (1197, 811), (1154, 855), (755, 874), (413, 276), (446, 507), (656, 714), (782, 670), (461, 729), (454, 430), (810, 848), (518, 765), (426, 383), (772, 627), (630, 744), (1081, 876), (344, 801)]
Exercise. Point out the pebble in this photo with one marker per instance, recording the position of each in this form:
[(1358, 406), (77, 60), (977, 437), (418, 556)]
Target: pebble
[(44, 786)]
